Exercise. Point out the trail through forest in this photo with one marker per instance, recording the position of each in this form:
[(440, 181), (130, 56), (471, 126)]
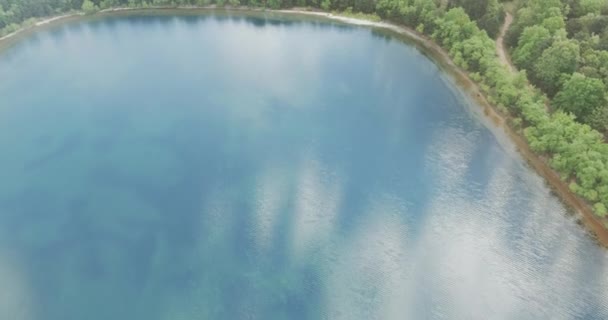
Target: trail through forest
[(503, 55)]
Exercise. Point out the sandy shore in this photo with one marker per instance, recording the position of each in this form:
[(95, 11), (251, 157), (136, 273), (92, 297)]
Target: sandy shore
[(579, 207), (41, 23)]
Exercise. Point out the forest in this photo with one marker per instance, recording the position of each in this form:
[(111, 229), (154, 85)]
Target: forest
[(558, 99)]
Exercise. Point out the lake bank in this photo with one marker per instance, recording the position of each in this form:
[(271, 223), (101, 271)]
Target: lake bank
[(437, 53)]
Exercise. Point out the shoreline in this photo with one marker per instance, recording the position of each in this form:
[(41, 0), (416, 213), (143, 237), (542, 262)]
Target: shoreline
[(500, 122), (39, 24)]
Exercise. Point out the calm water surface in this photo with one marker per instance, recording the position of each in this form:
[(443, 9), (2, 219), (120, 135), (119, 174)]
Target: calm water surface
[(240, 168)]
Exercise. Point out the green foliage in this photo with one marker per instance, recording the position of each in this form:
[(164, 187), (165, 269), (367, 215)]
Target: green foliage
[(413, 13), (552, 55), (554, 23), (575, 150), (105, 4), (559, 59), (534, 12), (600, 209), (489, 14), (89, 7), (533, 41), (594, 64), (454, 27), (493, 19), (599, 119), (581, 96), (365, 6), (326, 5), (583, 7), (273, 4)]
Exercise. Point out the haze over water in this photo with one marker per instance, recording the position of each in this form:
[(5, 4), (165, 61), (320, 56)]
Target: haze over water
[(168, 168)]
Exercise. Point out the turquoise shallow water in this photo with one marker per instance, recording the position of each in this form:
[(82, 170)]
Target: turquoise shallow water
[(211, 167)]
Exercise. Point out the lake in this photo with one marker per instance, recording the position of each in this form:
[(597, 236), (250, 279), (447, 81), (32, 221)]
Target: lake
[(166, 167)]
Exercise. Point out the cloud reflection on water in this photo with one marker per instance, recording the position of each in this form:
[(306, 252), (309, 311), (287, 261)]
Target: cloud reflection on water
[(15, 296), (329, 191)]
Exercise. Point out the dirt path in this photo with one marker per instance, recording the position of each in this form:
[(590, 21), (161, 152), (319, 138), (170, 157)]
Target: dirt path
[(588, 218), (503, 55)]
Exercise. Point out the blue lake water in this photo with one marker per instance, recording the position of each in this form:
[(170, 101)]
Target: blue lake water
[(214, 167)]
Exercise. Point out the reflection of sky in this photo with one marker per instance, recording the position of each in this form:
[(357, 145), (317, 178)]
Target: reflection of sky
[(317, 202), (236, 169), (14, 296)]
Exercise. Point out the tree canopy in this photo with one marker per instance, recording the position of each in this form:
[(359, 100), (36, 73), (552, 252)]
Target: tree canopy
[(553, 39), (560, 59), (581, 96)]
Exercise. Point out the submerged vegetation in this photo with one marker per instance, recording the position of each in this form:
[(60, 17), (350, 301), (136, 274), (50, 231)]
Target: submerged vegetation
[(558, 99)]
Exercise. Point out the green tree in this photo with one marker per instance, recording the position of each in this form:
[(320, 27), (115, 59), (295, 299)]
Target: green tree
[(273, 4), (454, 27), (89, 7), (599, 119), (492, 20), (4, 18), (488, 14), (595, 64), (534, 12), (600, 209), (555, 22), (581, 96), (583, 7), (105, 4), (559, 59), (326, 5), (533, 41), (366, 6)]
